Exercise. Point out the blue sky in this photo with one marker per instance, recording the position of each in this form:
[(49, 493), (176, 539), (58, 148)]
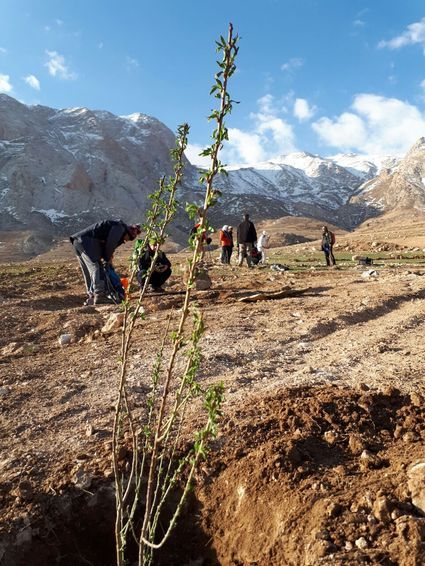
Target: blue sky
[(323, 76)]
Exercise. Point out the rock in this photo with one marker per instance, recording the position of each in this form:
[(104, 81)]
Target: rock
[(330, 437), (417, 400), (410, 436), (361, 543), (356, 444), (114, 323), (10, 348), (82, 478), (65, 339), (382, 509), (4, 391), (370, 274), (416, 484), (369, 461)]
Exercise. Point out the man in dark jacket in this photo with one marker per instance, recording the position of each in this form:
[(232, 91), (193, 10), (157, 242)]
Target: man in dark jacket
[(246, 237), (161, 272), (95, 245)]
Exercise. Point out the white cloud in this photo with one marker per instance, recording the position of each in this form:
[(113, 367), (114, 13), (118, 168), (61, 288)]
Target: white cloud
[(302, 110), (5, 85), (131, 63), (270, 135), (57, 66), (3, 50), (59, 22), (413, 34), (192, 152), (292, 64), (422, 84), (359, 23), (375, 125), (32, 81)]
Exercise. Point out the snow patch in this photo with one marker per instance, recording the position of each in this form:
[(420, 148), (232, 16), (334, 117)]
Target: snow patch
[(52, 214)]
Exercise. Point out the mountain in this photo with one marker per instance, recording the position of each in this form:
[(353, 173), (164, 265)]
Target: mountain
[(302, 184), (402, 187), (62, 169)]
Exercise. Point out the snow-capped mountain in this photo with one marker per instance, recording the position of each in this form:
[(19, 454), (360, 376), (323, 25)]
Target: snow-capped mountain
[(66, 168), (402, 186), (61, 169), (307, 184)]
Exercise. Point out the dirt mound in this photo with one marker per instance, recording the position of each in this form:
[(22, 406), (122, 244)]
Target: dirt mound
[(318, 476), (315, 475)]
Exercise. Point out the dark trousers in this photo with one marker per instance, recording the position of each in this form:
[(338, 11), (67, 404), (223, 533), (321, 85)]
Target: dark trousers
[(158, 278), (226, 254), (329, 256), (93, 273)]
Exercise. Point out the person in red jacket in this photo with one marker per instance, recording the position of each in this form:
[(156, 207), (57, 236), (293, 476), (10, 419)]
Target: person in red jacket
[(226, 241)]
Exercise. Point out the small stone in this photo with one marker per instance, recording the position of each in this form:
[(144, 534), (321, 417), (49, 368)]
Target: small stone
[(398, 432), (4, 391), (416, 484), (330, 437), (355, 444), (381, 509), (417, 400), (361, 543), (369, 460), (89, 430), (65, 339), (395, 514), (348, 545), (82, 479), (410, 437), (114, 323)]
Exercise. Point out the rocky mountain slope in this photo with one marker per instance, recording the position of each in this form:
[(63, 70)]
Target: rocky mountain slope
[(399, 188), (60, 169)]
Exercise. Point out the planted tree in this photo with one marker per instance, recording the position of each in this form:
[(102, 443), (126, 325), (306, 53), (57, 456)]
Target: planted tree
[(157, 466)]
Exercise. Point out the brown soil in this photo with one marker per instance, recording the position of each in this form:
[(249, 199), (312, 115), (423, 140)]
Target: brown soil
[(322, 421)]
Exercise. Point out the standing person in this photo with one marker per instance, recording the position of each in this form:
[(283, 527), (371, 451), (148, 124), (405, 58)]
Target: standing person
[(205, 238), (93, 246), (226, 244), (263, 245), (230, 232), (328, 240), (161, 272), (246, 236)]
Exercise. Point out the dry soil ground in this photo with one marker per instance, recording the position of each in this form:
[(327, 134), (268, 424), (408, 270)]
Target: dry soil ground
[(322, 422)]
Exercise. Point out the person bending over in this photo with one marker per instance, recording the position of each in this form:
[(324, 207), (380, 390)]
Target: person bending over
[(96, 245)]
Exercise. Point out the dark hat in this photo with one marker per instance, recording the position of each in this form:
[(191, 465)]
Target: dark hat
[(133, 231)]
